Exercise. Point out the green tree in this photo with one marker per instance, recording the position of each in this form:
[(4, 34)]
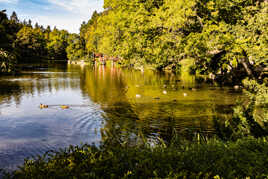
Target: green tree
[(14, 17), (232, 45), (57, 44), (7, 62), (30, 44), (8, 30), (226, 39), (75, 49)]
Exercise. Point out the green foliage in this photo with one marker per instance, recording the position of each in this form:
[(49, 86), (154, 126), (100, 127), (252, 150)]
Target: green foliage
[(250, 116), (227, 39), (8, 30), (7, 62), (244, 158), (231, 45), (30, 44), (57, 44), (34, 44), (75, 49)]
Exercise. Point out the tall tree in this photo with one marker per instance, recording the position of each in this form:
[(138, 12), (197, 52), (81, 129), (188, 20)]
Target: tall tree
[(30, 44), (14, 17), (75, 49), (57, 44), (226, 39)]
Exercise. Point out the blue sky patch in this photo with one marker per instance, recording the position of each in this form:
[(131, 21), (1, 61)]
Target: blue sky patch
[(65, 14)]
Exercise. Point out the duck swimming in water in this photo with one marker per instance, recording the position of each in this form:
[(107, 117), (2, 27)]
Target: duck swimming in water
[(64, 107), (138, 96), (42, 106)]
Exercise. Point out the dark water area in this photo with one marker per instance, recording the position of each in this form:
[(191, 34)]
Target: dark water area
[(101, 99)]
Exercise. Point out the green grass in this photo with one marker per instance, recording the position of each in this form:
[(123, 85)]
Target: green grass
[(246, 157)]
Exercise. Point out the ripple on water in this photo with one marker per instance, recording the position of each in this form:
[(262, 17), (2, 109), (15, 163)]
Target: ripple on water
[(86, 122), (13, 154)]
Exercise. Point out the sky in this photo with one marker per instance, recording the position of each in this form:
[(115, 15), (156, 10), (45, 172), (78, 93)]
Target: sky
[(64, 14)]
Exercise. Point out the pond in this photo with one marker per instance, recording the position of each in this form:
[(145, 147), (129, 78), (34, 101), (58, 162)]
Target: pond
[(102, 99)]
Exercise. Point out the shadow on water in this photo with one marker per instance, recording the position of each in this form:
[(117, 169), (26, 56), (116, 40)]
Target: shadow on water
[(103, 101), (154, 104)]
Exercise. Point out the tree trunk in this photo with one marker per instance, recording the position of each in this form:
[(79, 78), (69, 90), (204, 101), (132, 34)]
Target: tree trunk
[(247, 67), (246, 64)]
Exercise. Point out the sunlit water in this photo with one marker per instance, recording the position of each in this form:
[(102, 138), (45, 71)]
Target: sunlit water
[(130, 102)]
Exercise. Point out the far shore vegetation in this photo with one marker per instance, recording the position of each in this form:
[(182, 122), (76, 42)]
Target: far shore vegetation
[(224, 40)]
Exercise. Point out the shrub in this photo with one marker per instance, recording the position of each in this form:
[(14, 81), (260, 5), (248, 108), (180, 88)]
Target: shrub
[(246, 157)]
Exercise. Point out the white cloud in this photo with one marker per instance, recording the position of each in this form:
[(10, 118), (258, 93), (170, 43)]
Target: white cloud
[(64, 14), (78, 11), (69, 23), (9, 1), (83, 7)]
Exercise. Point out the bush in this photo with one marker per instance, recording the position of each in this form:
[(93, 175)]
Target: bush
[(250, 116), (244, 158), (7, 62)]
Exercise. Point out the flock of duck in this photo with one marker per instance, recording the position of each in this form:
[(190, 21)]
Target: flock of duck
[(237, 87), (43, 106), (165, 92)]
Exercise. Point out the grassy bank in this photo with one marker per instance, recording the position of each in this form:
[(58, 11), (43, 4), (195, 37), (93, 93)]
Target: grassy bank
[(247, 157)]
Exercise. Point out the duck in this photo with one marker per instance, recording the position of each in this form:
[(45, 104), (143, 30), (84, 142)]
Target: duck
[(236, 87), (185, 94), (138, 96), (42, 106), (64, 107), (164, 92)]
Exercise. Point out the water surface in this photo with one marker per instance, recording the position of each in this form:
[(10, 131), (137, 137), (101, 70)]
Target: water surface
[(101, 99)]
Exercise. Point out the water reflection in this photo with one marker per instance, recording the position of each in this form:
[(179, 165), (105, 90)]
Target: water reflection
[(165, 102), (102, 99)]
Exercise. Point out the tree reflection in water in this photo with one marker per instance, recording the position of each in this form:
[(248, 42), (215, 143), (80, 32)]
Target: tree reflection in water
[(154, 114)]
